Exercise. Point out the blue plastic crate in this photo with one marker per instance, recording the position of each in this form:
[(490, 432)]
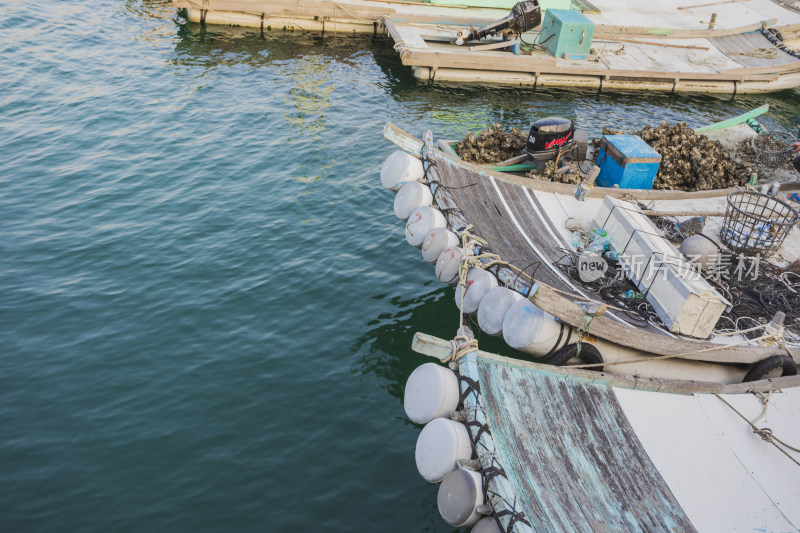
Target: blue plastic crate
[(627, 161), (566, 33)]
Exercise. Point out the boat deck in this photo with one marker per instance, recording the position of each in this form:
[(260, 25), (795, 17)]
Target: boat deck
[(597, 457)]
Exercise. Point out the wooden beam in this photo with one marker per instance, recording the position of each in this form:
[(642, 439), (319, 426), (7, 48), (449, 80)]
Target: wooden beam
[(713, 4)]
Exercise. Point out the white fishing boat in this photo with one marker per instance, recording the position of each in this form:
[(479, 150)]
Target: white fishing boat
[(683, 418)]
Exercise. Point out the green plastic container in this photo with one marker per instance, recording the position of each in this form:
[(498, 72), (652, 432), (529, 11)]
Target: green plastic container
[(566, 33)]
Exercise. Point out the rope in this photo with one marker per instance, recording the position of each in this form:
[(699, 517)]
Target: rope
[(713, 63), (759, 53), (766, 434), (460, 346), (765, 401)]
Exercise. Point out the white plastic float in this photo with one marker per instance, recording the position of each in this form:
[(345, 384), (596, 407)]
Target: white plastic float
[(431, 392), (529, 329), (460, 494), (493, 308), (478, 282), (441, 443), (486, 524), (436, 241), (411, 196), (400, 168), (448, 263), (421, 222)]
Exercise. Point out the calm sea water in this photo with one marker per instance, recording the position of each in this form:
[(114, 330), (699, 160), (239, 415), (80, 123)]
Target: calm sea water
[(206, 303)]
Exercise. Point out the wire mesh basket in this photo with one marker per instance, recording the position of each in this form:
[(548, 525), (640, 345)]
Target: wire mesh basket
[(756, 223), (772, 148)]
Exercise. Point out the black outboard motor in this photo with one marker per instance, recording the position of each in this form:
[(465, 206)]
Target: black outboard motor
[(550, 135), (524, 16)]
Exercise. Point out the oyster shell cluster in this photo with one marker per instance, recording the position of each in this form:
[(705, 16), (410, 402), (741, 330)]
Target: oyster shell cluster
[(553, 173), (689, 162), (492, 146)]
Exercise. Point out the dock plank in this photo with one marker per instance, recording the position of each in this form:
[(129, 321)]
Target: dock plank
[(734, 46)]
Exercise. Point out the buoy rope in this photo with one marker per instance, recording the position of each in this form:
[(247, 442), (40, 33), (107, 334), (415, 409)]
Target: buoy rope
[(766, 434)]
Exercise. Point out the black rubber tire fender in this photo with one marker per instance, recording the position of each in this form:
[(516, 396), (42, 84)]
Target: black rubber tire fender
[(778, 35), (761, 368), (588, 353)]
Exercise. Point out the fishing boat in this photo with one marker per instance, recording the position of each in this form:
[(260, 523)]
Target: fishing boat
[(676, 419), (731, 46)]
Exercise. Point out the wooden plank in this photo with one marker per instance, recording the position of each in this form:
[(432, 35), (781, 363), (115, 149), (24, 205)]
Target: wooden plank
[(574, 455), (402, 139), (526, 64), (741, 119), (309, 8), (720, 2), (604, 30), (493, 46), (666, 45)]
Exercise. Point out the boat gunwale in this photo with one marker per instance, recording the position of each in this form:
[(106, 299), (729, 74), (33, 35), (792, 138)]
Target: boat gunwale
[(432, 346)]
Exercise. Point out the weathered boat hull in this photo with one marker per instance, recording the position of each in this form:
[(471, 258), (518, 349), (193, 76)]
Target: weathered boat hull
[(574, 450)]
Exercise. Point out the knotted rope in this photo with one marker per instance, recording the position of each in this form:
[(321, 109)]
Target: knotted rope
[(766, 434)]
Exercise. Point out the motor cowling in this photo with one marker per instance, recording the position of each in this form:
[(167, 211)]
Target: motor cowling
[(550, 135)]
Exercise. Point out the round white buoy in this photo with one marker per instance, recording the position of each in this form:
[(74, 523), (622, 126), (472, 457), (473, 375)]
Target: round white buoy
[(700, 250), (460, 493), (436, 241), (493, 308), (411, 196), (400, 168), (448, 263), (431, 392), (421, 222), (487, 524), (441, 443), (531, 330), (479, 282)]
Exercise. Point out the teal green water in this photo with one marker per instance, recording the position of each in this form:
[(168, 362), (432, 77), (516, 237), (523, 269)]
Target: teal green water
[(206, 303)]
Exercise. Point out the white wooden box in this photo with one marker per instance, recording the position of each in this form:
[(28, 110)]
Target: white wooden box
[(686, 303)]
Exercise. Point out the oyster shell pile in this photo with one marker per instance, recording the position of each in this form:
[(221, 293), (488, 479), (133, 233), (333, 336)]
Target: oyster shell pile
[(492, 146), (689, 162), (553, 173)]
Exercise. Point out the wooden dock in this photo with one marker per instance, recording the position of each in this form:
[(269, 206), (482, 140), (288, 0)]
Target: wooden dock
[(741, 60), (684, 52)]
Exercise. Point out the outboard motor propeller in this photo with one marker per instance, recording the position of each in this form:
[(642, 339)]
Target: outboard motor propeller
[(524, 16), (549, 136)]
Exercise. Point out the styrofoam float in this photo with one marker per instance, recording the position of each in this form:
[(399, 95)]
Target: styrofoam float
[(400, 168), (493, 308), (448, 263), (411, 195), (436, 241), (422, 221), (460, 494), (478, 283), (441, 443), (431, 392)]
